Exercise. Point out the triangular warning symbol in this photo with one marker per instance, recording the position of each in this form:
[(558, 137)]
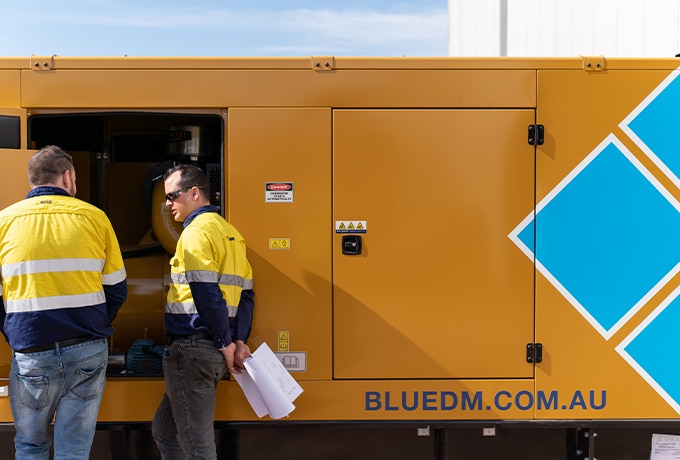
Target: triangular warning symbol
[(360, 226), (342, 226), (351, 225)]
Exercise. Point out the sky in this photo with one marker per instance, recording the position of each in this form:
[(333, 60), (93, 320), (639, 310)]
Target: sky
[(416, 28)]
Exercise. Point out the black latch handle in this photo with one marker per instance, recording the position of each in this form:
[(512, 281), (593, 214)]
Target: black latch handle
[(351, 245)]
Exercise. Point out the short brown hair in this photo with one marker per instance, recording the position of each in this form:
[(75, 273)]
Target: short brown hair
[(46, 165)]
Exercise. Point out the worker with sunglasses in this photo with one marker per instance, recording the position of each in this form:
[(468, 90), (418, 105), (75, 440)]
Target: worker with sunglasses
[(208, 317)]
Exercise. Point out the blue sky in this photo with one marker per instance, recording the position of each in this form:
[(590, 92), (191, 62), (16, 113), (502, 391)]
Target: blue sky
[(224, 28)]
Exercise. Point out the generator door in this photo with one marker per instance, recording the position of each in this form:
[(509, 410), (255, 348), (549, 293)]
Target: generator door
[(14, 180), (427, 283)]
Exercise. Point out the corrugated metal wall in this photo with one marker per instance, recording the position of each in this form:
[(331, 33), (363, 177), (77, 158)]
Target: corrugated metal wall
[(613, 28)]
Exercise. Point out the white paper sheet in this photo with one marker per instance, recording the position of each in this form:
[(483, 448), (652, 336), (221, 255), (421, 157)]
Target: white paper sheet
[(268, 386), (665, 447)]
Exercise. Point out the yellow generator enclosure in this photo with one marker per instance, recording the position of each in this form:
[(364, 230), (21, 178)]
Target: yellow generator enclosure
[(432, 239)]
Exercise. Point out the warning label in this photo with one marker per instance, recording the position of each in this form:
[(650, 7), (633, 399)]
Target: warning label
[(279, 243), (278, 192), (350, 226), (284, 343)]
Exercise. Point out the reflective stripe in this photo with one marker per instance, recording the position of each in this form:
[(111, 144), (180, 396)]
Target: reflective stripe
[(52, 265), (189, 308), (205, 276), (178, 278), (116, 277), (54, 302), (201, 276), (234, 280)]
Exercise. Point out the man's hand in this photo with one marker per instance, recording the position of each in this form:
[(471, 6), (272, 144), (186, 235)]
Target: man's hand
[(242, 352), (228, 353)]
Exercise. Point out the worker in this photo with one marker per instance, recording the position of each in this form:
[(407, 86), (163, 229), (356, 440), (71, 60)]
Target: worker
[(63, 283), (208, 317)]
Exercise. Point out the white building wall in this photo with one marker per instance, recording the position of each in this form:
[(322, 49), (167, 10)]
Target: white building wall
[(612, 28)]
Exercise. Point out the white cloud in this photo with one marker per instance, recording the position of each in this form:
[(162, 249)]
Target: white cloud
[(378, 25), (396, 30)]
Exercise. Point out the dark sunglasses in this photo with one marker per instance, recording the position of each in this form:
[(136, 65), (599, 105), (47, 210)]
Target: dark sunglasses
[(172, 196)]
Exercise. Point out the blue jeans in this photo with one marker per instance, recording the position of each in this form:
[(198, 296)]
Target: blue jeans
[(183, 426), (68, 382)]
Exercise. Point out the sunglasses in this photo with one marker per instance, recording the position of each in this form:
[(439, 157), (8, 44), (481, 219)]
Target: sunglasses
[(172, 196)]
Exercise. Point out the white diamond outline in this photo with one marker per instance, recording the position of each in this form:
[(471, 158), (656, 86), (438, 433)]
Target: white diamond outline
[(625, 126), (620, 349), (514, 236)]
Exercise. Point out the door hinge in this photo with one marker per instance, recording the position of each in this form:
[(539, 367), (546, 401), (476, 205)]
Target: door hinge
[(534, 353), (536, 134)]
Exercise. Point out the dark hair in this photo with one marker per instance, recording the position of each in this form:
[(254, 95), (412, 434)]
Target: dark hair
[(190, 176), (46, 165)]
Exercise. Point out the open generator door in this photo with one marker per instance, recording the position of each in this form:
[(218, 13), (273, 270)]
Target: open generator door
[(14, 175), (14, 179)]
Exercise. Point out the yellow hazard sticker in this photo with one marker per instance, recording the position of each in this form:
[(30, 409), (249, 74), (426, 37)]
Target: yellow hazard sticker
[(284, 341), (279, 243), (350, 226)]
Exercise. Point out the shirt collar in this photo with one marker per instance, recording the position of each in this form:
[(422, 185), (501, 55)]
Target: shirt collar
[(47, 190), (198, 212)]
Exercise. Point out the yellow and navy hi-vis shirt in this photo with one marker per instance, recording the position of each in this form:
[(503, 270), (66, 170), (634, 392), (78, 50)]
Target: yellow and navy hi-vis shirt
[(61, 270), (211, 281)]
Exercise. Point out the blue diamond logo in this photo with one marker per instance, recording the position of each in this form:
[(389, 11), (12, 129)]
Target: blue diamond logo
[(652, 348), (653, 126), (607, 237)]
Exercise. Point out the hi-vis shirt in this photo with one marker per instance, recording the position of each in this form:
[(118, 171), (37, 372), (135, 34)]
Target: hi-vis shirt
[(61, 270), (211, 281)]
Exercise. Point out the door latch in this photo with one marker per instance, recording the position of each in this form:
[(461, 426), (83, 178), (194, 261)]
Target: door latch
[(351, 245)]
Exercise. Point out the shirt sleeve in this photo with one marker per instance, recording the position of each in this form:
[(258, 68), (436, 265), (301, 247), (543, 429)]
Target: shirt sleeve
[(212, 309), (3, 314), (244, 315), (114, 277), (202, 274), (115, 297)]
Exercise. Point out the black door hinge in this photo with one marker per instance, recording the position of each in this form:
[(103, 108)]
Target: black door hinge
[(534, 353), (536, 134)]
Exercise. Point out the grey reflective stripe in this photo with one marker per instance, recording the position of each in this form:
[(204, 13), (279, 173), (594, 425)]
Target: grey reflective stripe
[(116, 277), (204, 276), (52, 265), (235, 280), (201, 276), (189, 308), (178, 278), (54, 302), (178, 308)]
